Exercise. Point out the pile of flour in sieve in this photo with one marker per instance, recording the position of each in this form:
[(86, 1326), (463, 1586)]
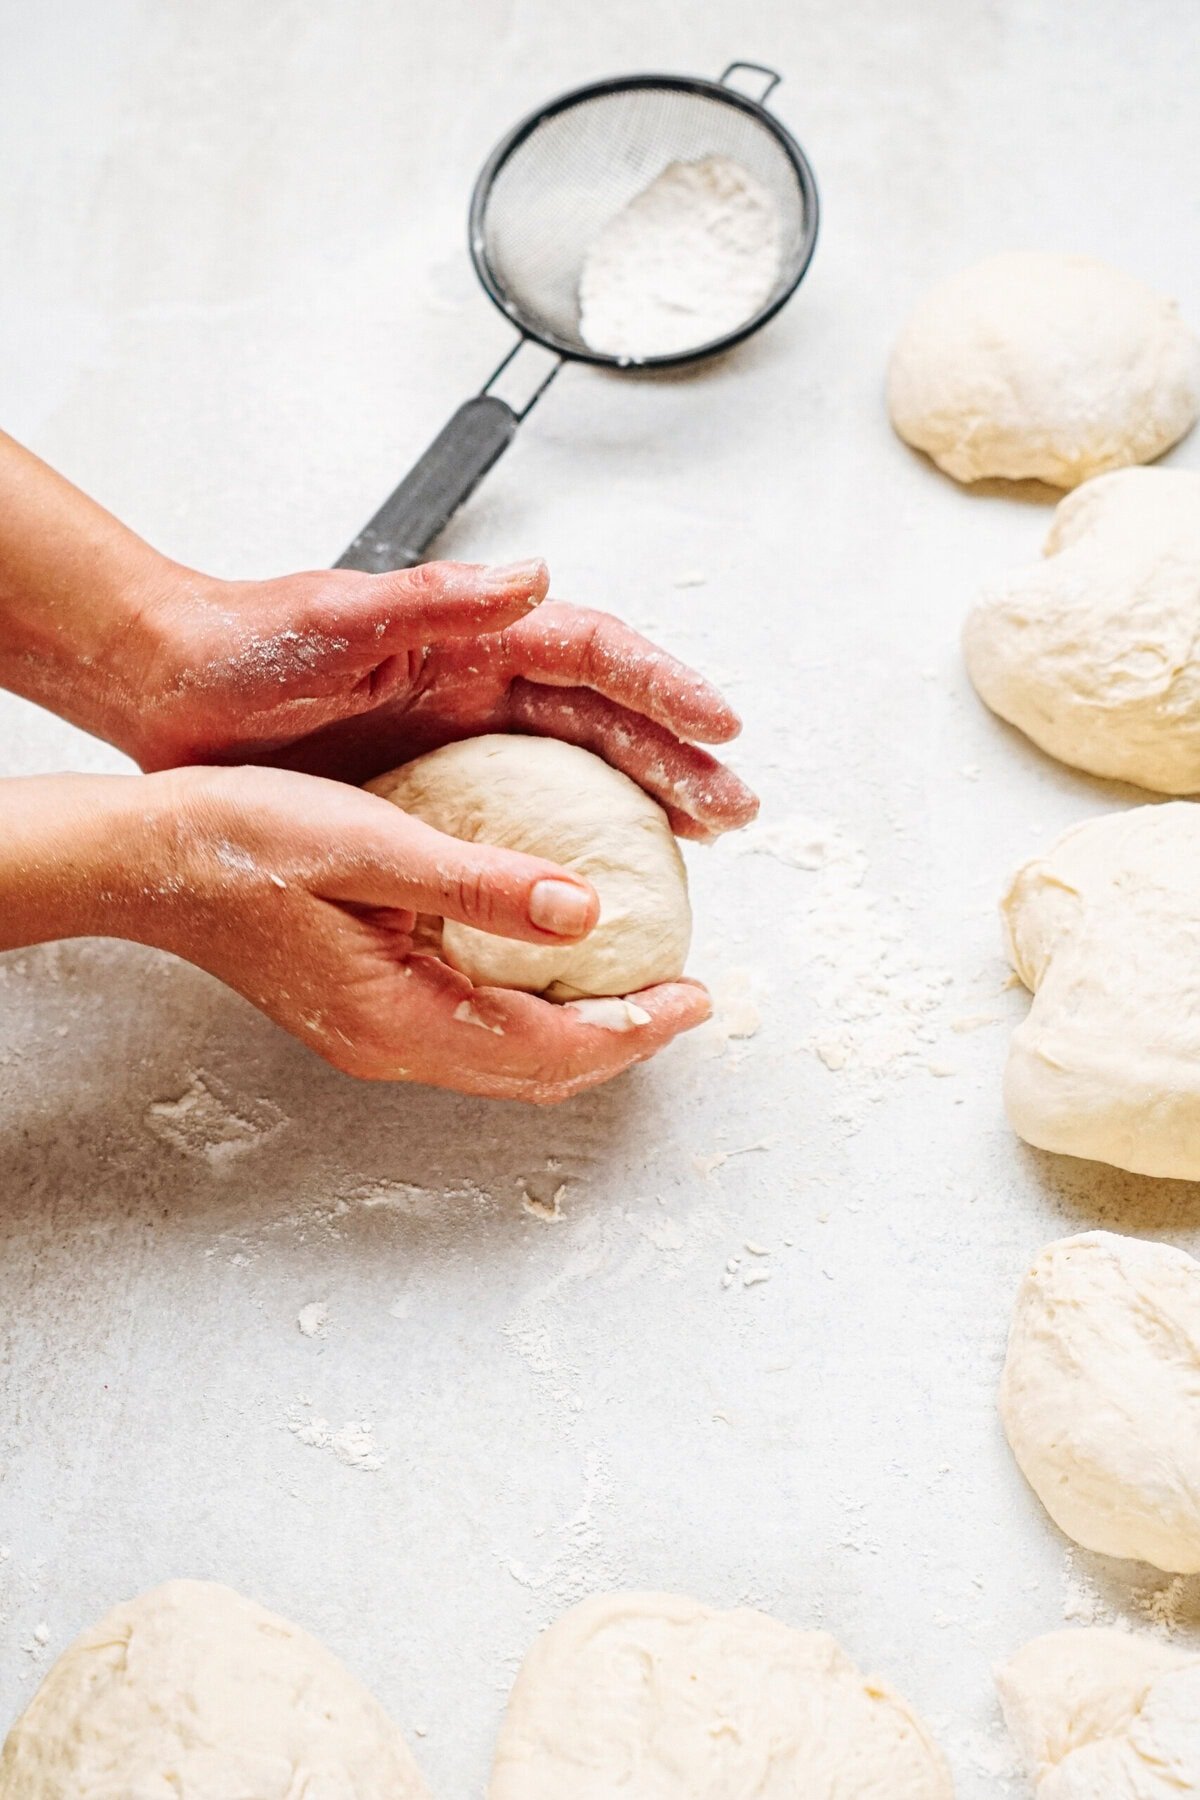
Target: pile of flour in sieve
[(691, 257)]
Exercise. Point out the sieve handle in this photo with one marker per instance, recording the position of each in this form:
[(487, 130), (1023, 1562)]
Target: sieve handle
[(433, 490), (773, 79)]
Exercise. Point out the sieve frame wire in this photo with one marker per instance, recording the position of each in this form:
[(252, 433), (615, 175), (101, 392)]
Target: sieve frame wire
[(500, 293)]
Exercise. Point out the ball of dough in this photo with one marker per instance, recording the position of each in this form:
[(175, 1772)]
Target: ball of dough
[(551, 799), (1030, 365), (1094, 651), (1100, 1395), (192, 1693), (1104, 1715), (656, 1696), (1105, 930)]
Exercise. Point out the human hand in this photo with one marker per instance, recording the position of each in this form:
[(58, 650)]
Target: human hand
[(336, 673), (303, 895), (346, 675)]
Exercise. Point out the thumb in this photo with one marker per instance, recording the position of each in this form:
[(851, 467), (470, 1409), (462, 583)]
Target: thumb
[(397, 861), (407, 608)]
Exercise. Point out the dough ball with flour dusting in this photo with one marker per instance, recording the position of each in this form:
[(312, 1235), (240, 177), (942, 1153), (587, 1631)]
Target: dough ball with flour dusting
[(193, 1692), (656, 1696), (688, 260), (552, 799), (1094, 652), (1031, 365), (1100, 1395), (1104, 1715), (1105, 931)]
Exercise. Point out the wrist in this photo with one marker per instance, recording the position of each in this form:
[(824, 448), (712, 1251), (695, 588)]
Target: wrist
[(88, 651), (81, 856)]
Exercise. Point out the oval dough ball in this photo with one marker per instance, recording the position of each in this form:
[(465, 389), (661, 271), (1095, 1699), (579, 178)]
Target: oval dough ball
[(656, 1696), (193, 1693), (1104, 1715), (1100, 1395), (1029, 365), (1094, 651), (551, 799), (1105, 930)]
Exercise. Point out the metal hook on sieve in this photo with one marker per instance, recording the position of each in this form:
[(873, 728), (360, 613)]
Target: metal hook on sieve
[(773, 79), (481, 430)]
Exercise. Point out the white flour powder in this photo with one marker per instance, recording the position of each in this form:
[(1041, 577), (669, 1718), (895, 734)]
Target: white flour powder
[(692, 257)]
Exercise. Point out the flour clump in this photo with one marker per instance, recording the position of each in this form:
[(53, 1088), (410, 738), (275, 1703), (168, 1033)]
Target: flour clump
[(192, 1691), (1035, 366), (657, 1696), (1100, 1395), (688, 260), (551, 799)]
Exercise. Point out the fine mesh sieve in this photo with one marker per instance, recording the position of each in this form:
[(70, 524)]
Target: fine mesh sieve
[(539, 204)]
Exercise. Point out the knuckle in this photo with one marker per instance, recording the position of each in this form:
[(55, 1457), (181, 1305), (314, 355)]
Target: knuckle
[(472, 891), (424, 582)]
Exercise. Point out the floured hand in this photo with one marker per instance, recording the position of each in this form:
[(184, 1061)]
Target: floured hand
[(341, 674)]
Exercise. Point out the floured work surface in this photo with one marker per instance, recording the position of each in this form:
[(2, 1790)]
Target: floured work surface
[(733, 1326)]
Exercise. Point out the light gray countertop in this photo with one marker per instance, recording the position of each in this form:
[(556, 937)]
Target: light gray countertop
[(236, 303)]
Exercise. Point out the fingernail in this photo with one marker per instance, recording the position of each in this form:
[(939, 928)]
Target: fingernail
[(502, 580), (559, 907)]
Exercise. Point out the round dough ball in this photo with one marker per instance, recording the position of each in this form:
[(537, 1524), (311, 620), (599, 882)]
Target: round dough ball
[(1100, 1396), (1094, 651), (552, 799), (191, 1692), (1103, 930), (1104, 1715), (656, 1696), (1029, 365)]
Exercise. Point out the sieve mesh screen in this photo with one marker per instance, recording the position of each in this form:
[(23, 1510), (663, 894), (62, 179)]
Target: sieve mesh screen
[(542, 205)]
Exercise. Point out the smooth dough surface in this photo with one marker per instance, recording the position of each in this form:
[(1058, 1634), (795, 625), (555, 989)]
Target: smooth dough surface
[(1103, 1715), (656, 1696), (1094, 652), (1105, 930), (191, 1692), (1100, 1395), (1030, 365), (552, 799)]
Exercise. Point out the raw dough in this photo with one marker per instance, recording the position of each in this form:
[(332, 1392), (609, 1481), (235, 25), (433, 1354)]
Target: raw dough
[(1106, 931), (193, 1693), (692, 257), (1095, 651), (551, 799), (1034, 365), (1102, 1715), (658, 1697), (1100, 1395)]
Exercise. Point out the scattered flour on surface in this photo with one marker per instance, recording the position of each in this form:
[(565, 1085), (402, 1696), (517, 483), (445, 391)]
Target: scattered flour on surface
[(313, 1320), (735, 1016), (353, 1444), (577, 1562), (200, 1123), (1170, 1606), (549, 1209), (1082, 1601), (708, 1163), (878, 1007)]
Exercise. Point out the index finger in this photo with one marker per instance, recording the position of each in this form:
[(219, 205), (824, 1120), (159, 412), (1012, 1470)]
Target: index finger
[(573, 646)]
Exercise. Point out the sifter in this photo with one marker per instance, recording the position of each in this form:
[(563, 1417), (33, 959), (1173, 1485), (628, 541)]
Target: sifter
[(540, 201)]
